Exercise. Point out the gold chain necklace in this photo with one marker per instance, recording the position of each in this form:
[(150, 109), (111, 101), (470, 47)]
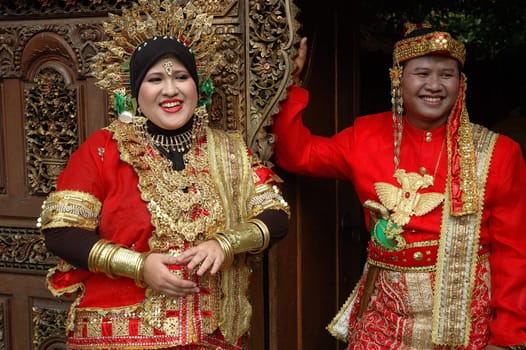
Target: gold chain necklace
[(423, 170)]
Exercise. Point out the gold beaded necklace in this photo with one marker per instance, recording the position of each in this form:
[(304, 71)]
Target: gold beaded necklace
[(175, 143)]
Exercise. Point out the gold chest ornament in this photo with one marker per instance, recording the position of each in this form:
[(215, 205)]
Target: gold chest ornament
[(403, 202)]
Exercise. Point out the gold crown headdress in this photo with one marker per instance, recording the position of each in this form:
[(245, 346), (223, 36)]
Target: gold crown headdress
[(148, 19)]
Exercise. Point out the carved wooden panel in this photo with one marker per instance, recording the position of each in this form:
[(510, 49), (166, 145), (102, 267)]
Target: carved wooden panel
[(2, 145), (4, 307), (51, 127)]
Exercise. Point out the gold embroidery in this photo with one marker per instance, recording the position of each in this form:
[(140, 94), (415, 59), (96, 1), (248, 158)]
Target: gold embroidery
[(184, 204), (266, 197), (460, 138), (457, 256), (184, 207), (235, 174), (218, 188), (419, 288), (225, 185), (339, 325)]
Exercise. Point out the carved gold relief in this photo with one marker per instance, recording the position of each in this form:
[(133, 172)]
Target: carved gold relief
[(218, 8), (51, 128), (228, 100), (257, 66), (48, 328), (24, 249), (272, 34)]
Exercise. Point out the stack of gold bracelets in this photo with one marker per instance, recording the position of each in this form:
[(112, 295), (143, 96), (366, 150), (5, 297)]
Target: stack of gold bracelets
[(115, 260), (252, 236)]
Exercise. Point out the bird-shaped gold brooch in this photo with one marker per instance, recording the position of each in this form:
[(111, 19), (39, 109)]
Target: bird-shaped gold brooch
[(405, 202)]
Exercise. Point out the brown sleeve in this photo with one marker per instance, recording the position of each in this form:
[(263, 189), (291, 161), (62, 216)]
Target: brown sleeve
[(71, 244), (277, 222), (74, 244)]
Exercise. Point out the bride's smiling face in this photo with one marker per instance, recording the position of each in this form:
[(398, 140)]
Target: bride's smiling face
[(168, 94)]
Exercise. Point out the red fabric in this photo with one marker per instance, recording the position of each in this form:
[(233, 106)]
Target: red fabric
[(265, 175), (124, 216), (387, 323), (363, 154), (96, 168), (403, 258)]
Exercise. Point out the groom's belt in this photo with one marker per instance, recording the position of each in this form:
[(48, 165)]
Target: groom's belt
[(417, 256)]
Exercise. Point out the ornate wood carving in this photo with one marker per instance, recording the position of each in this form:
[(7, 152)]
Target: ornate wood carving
[(30, 9), (255, 47), (80, 38), (48, 327), (24, 249), (51, 128), (3, 330)]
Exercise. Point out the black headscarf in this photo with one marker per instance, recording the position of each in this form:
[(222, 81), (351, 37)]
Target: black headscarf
[(146, 54)]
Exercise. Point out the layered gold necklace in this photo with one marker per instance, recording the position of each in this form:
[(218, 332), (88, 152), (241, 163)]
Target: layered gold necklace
[(184, 204)]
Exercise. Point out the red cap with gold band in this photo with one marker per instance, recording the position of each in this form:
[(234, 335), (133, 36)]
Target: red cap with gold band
[(419, 40)]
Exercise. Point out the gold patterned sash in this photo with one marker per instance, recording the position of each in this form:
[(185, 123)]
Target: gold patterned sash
[(229, 162), (457, 256)]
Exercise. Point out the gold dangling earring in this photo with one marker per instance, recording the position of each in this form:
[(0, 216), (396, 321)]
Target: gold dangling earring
[(397, 103), (200, 123)]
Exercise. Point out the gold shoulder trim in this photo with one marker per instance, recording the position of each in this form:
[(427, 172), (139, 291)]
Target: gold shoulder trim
[(70, 209)]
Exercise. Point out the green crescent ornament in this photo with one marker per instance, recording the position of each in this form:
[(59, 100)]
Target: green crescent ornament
[(388, 234)]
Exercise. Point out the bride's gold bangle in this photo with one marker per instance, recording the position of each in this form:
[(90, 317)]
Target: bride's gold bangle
[(227, 249), (265, 235), (115, 260)]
